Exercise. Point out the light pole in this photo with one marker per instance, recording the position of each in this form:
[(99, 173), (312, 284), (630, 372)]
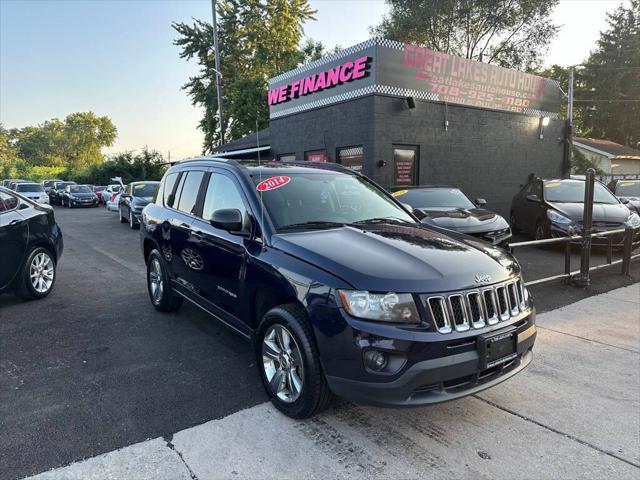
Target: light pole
[(217, 70)]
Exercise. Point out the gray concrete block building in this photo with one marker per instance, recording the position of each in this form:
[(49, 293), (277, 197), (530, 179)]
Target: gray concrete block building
[(408, 116)]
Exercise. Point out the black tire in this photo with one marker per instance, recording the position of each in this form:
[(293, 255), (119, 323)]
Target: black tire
[(541, 231), (514, 223), (25, 289), (122, 220), (315, 395), (168, 301), (132, 223)]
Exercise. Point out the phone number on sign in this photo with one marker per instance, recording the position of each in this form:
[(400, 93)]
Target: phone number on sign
[(478, 97)]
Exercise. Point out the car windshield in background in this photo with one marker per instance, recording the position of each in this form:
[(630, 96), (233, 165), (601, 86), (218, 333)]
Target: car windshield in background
[(317, 200), (628, 189), (434, 198), (144, 189), (29, 187), (63, 185), (80, 189), (98, 188), (572, 191)]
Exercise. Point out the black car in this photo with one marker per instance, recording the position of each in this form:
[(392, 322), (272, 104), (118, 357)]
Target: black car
[(47, 184), (555, 208), (628, 191), (79, 196), (56, 192), (135, 197), (448, 207), (339, 288), (31, 246)]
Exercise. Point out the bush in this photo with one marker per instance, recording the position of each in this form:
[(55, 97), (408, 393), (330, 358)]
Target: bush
[(147, 165)]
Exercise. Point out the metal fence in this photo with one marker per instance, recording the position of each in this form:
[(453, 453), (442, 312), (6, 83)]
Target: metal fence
[(581, 277)]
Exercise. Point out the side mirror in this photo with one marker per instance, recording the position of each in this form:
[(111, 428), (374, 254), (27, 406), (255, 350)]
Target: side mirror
[(481, 202), (229, 219), (532, 198)]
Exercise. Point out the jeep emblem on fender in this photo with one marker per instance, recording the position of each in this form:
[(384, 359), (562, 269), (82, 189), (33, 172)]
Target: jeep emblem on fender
[(483, 278)]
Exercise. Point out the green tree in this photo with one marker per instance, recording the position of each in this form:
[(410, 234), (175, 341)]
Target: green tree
[(580, 163), (8, 153), (74, 142), (509, 33), (607, 92), (258, 40)]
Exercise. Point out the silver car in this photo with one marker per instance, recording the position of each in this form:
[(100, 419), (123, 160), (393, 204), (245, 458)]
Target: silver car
[(108, 192), (32, 190)]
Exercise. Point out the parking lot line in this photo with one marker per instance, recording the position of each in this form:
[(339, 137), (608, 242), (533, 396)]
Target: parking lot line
[(572, 414)]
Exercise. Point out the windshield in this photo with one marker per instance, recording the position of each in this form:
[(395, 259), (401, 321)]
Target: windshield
[(79, 189), (572, 191), (628, 189), (326, 198), (434, 198), (29, 187), (144, 189), (62, 185)]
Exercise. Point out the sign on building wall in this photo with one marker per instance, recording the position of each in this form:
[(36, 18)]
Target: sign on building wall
[(391, 68)]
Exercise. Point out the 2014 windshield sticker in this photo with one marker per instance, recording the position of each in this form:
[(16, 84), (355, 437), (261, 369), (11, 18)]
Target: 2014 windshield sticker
[(272, 183)]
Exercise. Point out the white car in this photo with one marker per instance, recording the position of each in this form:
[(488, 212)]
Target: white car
[(113, 202), (34, 191), (108, 192)]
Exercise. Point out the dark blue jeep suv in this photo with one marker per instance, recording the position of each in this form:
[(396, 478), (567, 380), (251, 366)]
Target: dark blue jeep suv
[(339, 288)]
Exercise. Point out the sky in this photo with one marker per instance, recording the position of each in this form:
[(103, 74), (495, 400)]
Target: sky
[(117, 58)]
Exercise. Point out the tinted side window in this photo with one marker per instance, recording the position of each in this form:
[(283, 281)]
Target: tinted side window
[(167, 188), (7, 202), (189, 194), (222, 192)]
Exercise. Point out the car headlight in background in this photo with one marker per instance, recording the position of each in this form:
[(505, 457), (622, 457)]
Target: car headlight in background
[(633, 220), (555, 217), (382, 307)]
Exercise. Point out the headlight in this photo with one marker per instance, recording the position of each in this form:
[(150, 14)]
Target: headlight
[(383, 307), (555, 217), (633, 220)]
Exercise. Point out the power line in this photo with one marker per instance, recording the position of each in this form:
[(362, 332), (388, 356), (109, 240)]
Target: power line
[(609, 100)]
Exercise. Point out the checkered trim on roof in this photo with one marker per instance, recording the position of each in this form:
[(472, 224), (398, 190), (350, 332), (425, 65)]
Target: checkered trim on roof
[(383, 42), (324, 60), (323, 102), (539, 113), (351, 151), (405, 92)]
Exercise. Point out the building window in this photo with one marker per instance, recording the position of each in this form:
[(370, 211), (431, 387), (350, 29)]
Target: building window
[(351, 157), (287, 157), (316, 156), (405, 165)]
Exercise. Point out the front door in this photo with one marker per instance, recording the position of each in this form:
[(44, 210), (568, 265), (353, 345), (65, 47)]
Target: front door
[(224, 254), (14, 236)]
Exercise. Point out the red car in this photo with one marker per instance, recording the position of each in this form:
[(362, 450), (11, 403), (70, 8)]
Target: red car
[(98, 189)]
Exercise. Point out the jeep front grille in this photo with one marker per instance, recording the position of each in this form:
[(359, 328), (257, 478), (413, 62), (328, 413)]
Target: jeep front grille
[(474, 309)]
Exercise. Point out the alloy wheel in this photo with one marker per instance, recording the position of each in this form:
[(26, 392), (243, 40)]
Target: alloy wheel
[(41, 272), (156, 284), (282, 363)]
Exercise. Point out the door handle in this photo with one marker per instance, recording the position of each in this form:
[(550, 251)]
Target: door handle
[(198, 234), (16, 221)]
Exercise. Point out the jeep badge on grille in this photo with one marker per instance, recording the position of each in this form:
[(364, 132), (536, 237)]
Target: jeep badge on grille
[(479, 278)]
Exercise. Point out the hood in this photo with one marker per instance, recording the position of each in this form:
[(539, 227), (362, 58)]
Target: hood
[(465, 220), (141, 201), (616, 213), (399, 257)]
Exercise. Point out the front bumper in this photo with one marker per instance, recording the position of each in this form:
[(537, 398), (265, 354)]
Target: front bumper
[(438, 367), (81, 203)]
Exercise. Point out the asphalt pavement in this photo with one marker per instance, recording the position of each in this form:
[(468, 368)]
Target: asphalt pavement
[(93, 367)]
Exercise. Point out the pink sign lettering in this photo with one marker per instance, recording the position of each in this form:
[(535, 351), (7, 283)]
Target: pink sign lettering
[(344, 73)]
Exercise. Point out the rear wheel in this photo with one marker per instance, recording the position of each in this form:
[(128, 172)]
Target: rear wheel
[(38, 275), (289, 363), (162, 296), (541, 231)]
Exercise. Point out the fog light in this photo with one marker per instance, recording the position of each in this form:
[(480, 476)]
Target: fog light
[(375, 360)]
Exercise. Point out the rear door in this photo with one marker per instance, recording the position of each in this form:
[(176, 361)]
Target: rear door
[(14, 238)]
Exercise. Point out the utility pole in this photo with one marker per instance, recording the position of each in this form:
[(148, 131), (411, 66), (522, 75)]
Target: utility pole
[(570, 120), (217, 70)]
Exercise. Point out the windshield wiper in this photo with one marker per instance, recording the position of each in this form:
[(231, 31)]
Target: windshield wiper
[(381, 220), (312, 225)]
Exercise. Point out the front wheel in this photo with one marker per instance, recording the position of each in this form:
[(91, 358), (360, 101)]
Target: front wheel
[(38, 275), (162, 296), (289, 363)]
